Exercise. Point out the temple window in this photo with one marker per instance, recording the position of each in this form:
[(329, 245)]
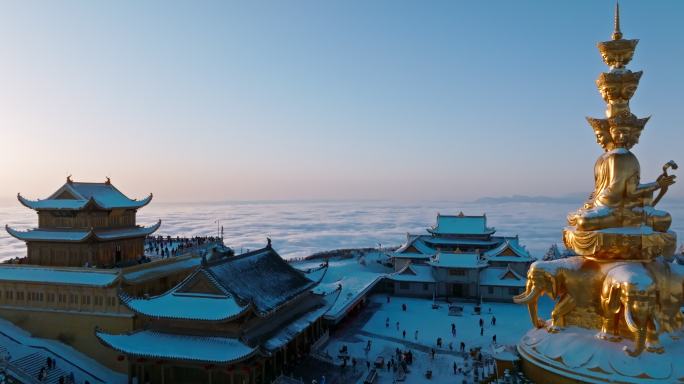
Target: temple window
[(99, 301), (85, 300), (9, 295), (20, 295), (111, 301), (457, 272)]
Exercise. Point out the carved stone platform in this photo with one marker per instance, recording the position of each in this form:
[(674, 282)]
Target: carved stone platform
[(575, 355), (615, 244)]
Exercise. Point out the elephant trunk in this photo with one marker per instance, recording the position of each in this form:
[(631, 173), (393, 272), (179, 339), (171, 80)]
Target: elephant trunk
[(527, 296), (639, 332)]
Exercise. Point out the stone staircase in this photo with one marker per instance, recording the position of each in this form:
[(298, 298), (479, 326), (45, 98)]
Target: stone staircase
[(31, 365)]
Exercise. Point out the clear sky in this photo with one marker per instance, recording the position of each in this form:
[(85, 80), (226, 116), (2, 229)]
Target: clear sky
[(324, 99)]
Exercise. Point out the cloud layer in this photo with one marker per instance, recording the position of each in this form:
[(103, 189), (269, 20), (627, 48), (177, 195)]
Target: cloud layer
[(302, 228)]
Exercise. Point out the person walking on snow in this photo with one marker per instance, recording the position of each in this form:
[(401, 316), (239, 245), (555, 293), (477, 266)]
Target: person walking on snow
[(493, 320), (415, 335)]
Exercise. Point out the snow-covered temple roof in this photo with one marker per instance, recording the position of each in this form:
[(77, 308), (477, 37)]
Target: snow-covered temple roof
[(458, 260), (76, 236), (224, 289), (461, 225), (78, 195), (413, 273), (160, 345), (260, 277), (509, 250), (160, 268), (186, 306), (501, 277), (58, 275), (287, 333)]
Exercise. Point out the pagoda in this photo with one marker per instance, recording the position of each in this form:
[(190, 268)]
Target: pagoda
[(85, 224), (617, 305)]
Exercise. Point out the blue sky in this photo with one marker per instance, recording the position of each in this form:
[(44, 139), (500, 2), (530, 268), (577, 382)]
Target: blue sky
[(324, 100)]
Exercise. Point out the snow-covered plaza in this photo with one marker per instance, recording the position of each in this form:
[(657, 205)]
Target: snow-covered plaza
[(383, 321), (423, 326)]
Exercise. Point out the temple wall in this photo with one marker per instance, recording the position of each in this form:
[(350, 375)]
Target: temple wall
[(77, 254), (502, 294), (413, 289), (117, 218), (68, 313), (60, 297), (76, 329)]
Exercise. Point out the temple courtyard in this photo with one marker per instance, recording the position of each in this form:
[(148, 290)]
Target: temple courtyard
[(430, 319)]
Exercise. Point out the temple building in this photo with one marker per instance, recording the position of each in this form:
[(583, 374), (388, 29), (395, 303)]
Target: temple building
[(85, 224), (240, 319), (460, 257)]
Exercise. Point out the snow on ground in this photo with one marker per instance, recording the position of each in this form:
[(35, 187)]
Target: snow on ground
[(512, 322), (354, 274), (20, 343)]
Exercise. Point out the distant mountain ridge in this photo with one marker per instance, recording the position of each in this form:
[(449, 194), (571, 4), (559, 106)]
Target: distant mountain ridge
[(573, 198)]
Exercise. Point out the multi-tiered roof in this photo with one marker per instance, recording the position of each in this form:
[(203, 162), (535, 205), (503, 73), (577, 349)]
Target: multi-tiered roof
[(226, 312), (85, 224)]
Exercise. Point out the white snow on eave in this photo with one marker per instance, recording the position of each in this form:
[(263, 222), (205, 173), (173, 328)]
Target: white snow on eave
[(462, 225), (56, 275), (164, 268), (174, 305), (294, 328), (179, 347), (458, 260), (422, 274), (492, 276)]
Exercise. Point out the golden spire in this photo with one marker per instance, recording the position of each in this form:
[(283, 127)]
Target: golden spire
[(617, 34)]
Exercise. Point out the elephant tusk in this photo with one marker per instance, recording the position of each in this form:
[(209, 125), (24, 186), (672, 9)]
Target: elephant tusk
[(631, 324), (526, 296)]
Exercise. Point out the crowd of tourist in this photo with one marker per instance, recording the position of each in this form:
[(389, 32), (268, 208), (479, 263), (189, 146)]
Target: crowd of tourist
[(167, 246)]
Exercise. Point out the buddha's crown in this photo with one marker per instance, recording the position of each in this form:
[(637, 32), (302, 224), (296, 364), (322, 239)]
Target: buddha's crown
[(618, 52)]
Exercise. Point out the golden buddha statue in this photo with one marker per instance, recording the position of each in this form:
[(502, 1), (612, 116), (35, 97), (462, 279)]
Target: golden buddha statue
[(618, 199), (622, 291)]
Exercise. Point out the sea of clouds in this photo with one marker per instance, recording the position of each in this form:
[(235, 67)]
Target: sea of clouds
[(302, 228)]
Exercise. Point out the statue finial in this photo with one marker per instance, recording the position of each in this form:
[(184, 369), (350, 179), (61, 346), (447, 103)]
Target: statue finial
[(107, 180), (69, 179), (617, 34)]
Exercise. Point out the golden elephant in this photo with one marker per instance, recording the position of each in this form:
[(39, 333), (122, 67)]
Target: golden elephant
[(547, 278), (630, 291)]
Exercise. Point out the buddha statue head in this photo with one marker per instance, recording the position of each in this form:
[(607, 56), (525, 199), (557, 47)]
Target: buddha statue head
[(602, 132), (617, 52), (616, 89), (625, 130)]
